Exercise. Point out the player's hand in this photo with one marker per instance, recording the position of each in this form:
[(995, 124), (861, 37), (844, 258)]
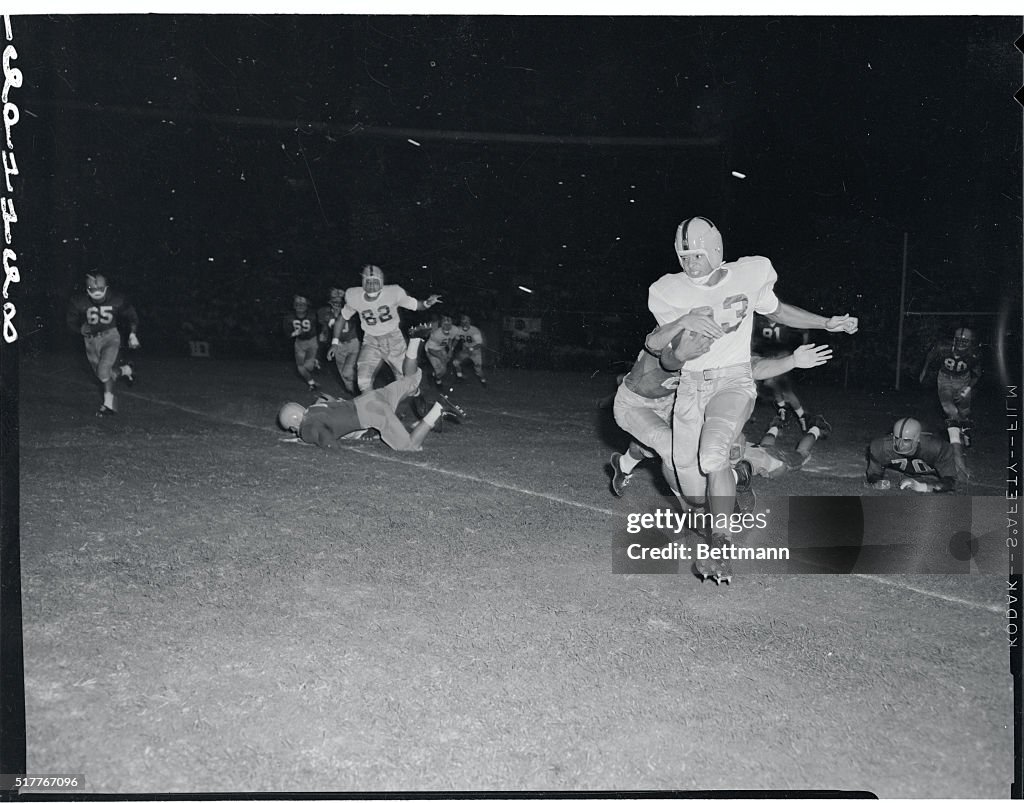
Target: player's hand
[(879, 485), (434, 299), (841, 323), (811, 356), (691, 345), (133, 341), (296, 439), (908, 484), (331, 352), (701, 324)]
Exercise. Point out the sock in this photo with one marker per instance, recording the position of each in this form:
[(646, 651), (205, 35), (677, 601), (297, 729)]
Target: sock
[(954, 434), (815, 432), (108, 400), (432, 415), (413, 348), (799, 412), (627, 463), (126, 370)]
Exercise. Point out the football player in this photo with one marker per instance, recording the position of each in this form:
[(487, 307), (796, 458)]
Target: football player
[(347, 350), (959, 371), (300, 325), (324, 422), (439, 348), (95, 314), (772, 339), (377, 306), (716, 390), (469, 345), (925, 460)]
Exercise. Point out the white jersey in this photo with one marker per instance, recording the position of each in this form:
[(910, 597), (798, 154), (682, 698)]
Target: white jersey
[(747, 287), (378, 316)]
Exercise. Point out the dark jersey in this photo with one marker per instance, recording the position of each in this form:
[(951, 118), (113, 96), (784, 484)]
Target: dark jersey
[(88, 317), (961, 365), (325, 422), (648, 379), (770, 339), (327, 317), (300, 327), (933, 456)]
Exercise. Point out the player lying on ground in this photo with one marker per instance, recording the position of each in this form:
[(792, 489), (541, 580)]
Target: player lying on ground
[(925, 461), (328, 420)]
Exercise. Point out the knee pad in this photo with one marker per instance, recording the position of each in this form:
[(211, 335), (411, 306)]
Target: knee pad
[(716, 440)]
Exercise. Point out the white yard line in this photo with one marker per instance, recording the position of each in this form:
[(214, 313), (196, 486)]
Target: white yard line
[(505, 486)]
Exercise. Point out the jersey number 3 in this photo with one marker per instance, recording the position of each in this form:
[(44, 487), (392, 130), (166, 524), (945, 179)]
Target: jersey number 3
[(737, 304)]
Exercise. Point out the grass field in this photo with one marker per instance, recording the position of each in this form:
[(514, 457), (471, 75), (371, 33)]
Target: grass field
[(209, 609)]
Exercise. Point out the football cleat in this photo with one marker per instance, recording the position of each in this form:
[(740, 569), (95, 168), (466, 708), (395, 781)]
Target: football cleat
[(781, 413), (746, 500), (128, 374), (717, 568), (824, 427), (802, 420), (620, 478), (421, 330), (450, 409), (105, 411)]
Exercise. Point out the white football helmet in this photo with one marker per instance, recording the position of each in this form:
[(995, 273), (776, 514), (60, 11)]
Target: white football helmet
[(906, 435), (96, 286), (290, 416), (699, 236), (373, 280)]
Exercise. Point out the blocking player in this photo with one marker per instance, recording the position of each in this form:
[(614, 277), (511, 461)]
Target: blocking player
[(439, 348), (95, 314), (347, 350), (716, 390), (324, 422), (300, 325), (925, 461), (469, 345), (377, 306), (959, 371)]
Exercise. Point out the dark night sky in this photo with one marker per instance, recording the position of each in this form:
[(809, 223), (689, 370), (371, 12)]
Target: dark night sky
[(184, 139)]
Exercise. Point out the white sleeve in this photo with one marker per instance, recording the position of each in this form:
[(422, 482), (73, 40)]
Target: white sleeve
[(405, 300), (767, 302)]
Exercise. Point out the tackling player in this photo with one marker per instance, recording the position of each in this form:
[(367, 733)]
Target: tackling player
[(377, 306), (324, 422), (300, 326), (95, 314), (771, 339), (925, 461), (716, 390)]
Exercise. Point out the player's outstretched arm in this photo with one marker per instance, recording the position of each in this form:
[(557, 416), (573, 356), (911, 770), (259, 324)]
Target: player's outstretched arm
[(799, 318), (809, 356)]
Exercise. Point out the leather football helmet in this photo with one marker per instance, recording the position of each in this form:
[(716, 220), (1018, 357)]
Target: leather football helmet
[(465, 322), (963, 339), (96, 286), (290, 416), (336, 296), (906, 435), (373, 280), (696, 236)]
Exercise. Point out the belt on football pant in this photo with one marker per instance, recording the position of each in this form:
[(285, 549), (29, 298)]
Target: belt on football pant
[(715, 373)]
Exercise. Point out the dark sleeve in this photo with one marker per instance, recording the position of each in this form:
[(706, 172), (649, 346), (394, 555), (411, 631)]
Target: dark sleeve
[(288, 328), (876, 469), (945, 467), (129, 315), (74, 317), (318, 433)]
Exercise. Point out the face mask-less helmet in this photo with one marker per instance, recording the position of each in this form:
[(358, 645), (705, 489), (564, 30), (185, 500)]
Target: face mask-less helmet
[(289, 417), (906, 435), (696, 237), (301, 304), (96, 286), (963, 339), (465, 322), (373, 280)]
